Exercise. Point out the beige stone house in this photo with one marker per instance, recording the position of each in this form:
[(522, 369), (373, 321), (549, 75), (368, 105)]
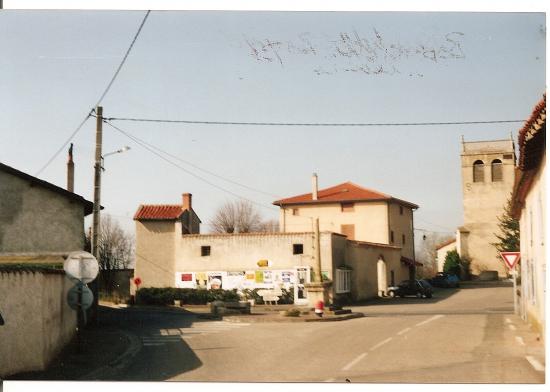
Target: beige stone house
[(487, 183), (168, 256), (37, 217), (529, 206), (40, 223), (358, 213)]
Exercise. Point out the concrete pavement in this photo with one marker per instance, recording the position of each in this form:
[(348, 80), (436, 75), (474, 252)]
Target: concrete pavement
[(465, 335)]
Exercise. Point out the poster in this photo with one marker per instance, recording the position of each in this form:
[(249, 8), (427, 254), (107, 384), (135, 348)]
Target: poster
[(200, 280), (268, 277), (185, 280), (234, 280), (259, 277), (215, 280)]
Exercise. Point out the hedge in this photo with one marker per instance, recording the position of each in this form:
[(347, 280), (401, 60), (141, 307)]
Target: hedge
[(167, 296)]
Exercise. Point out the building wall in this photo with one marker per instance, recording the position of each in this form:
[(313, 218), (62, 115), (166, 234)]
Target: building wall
[(363, 259), (237, 252), (533, 258), (36, 219), (38, 320), (155, 252), (484, 202), (441, 253), (369, 219), (402, 224)]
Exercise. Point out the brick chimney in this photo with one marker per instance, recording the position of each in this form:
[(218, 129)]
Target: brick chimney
[(70, 170), (186, 199), (314, 186)]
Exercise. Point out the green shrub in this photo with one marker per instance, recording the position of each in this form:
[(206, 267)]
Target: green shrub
[(167, 296), (452, 263), (292, 312)]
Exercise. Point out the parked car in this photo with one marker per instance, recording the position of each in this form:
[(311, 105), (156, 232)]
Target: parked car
[(442, 279), (418, 288)]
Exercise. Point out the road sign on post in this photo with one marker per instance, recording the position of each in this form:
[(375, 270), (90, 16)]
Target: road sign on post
[(510, 259), (81, 266)]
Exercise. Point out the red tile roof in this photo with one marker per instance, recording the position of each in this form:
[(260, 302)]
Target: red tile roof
[(532, 148), (158, 212), (346, 192), (445, 243)]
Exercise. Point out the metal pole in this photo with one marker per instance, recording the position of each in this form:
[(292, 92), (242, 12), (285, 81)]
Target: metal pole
[(97, 203), (514, 278), (318, 274)]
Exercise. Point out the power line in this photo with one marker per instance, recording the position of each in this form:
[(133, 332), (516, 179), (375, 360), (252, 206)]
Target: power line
[(309, 124), (99, 100), (204, 170), (135, 140)]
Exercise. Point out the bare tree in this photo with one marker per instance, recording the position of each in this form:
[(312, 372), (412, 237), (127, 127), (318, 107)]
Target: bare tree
[(116, 249), (269, 226), (238, 217), (428, 252)]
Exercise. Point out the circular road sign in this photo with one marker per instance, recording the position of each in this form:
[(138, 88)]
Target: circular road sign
[(81, 266), (86, 300)]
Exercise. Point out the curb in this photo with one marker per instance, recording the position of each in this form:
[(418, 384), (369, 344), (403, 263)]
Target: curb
[(118, 364), (281, 319)]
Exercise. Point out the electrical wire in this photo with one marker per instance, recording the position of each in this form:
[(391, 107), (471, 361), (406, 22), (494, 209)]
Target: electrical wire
[(159, 154), (204, 170), (98, 101), (309, 124)]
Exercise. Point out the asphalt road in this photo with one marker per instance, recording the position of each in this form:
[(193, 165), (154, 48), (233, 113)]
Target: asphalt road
[(460, 336)]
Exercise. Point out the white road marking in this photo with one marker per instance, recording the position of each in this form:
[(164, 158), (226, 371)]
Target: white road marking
[(536, 364), (380, 344), (429, 320), (507, 321), (520, 341), (330, 380), (512, 327), (403, 331), (349, 365)]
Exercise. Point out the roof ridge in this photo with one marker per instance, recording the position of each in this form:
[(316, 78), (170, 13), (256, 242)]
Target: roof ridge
[(369, 189)]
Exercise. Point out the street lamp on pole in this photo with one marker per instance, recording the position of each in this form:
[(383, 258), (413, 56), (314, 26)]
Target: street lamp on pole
[(98, 168)]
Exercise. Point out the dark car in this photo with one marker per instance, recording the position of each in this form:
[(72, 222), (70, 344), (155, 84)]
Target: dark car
[(418, 288), (442, 279)]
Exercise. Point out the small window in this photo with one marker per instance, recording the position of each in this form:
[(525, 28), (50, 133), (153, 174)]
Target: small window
[(479, 168), (391, 237), (496, 170), (205, 250), (295, 211), (348, 207), (297, 249), (403, 239), (507, 156), (400, 210)]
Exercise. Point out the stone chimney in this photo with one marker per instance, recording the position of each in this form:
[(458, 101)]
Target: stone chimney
[(314, 186), (70, 170), (186, 199)]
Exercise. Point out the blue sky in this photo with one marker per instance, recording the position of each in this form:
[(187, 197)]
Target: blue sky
[(303, 67)]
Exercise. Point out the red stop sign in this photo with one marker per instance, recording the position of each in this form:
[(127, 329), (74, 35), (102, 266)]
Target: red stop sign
[(137, 281)]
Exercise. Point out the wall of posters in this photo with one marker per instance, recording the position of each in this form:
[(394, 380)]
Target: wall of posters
[(289, 279)]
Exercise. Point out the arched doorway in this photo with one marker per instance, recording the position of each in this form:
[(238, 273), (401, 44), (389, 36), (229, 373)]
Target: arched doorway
[(382, 277)]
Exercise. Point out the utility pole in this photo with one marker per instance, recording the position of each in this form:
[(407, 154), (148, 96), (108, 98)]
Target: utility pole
[(97, 203), (318, 274)]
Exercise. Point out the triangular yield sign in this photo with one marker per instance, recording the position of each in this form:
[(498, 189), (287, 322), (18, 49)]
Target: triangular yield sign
[(510, 258)]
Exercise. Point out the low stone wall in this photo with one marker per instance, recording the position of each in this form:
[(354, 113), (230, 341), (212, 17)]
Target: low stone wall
[(38, 323)]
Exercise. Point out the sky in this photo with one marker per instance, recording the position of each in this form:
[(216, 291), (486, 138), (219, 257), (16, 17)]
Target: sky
[(267, 67)]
